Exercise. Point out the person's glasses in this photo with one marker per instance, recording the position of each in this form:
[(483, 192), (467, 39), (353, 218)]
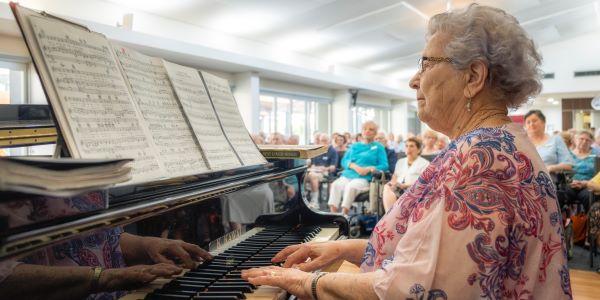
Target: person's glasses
[(428, 61)]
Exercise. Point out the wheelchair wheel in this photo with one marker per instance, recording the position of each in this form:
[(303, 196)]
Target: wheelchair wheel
[(354, 232)]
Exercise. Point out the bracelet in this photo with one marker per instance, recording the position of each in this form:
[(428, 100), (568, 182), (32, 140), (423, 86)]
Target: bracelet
[(96, 278), (313, 284)]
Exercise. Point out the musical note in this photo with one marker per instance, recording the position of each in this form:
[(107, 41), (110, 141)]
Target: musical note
[(199, 111), (178, 151), (93, 99), (231, 119)]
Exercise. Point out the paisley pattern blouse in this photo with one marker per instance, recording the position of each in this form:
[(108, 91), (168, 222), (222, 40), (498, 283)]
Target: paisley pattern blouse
[(482, 221)]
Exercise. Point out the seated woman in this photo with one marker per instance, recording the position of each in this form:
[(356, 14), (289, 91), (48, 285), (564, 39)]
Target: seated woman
[(407, 171), (583, 168), (430, 139), (552, 149), (482, 221), (359, 163)]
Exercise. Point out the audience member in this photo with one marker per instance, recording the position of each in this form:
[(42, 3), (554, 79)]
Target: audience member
[(399, 143), (567, 138), (430, 137), (552, 149), (391, 155), (319, 169), (340, 143), (407, 171), (441, 143), (276, 138), (359, 163), (583, 168), (294, 139)]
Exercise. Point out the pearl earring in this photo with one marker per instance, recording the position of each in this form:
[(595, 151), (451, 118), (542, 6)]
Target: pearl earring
[(469, 104)]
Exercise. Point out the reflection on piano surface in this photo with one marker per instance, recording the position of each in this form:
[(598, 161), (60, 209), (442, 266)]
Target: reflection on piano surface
[(220, 278)]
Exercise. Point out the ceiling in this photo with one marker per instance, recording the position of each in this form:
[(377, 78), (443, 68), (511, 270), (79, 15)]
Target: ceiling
[(382, 36)]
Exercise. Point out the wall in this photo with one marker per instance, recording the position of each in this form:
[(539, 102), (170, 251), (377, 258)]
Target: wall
[(578, 54)]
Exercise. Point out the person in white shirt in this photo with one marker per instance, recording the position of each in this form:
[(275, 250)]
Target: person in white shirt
[(407, 171)]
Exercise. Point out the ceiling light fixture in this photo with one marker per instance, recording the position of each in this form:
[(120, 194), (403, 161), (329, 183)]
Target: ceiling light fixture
[(415, 10)]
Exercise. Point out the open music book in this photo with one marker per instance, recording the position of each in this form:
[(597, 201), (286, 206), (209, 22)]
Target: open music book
[(113, 102)]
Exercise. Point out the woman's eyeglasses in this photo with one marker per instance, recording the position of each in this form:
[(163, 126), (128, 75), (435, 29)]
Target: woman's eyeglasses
[(432, 61)]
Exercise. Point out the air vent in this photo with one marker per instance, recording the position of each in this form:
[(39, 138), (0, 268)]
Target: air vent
[(587, 73), (548, 75)]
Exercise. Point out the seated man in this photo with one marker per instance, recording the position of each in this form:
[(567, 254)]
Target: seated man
[(319, 168)]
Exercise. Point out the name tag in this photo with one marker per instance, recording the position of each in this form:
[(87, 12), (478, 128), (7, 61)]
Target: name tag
[(325, 158), (373, 147)]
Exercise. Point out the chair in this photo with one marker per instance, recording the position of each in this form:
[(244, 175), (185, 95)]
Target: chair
[(364, 219)]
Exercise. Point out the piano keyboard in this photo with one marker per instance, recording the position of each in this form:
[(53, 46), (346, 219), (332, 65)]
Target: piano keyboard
[(220, 278)]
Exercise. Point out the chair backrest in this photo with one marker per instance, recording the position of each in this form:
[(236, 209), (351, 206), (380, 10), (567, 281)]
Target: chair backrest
[(596, 165), (429, 157)]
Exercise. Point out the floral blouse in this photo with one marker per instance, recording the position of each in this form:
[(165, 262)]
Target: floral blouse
[(482, 221)]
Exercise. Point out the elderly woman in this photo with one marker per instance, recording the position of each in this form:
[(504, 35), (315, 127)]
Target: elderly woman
[(406, 172), (430, 138), (482, 221), (583, 168), (552, 149), (359, 163)]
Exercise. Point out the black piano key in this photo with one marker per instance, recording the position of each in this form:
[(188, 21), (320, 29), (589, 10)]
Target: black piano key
[(196, 286), (173, 291), (240, 288), (240, 295), (166, 296), (216, 297)]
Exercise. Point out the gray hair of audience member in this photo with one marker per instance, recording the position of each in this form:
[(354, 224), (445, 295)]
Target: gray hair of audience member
[(257, 138), (494, 37), (370, 122), (324, 139), (294, 139)]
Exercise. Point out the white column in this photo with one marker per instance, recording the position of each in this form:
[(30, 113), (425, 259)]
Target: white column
[(399, 117), (341, 111), (247, 95)]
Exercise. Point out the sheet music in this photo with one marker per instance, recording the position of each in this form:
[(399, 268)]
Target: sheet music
[(93, 96), (178, 151), (231, 119), (196, 105)]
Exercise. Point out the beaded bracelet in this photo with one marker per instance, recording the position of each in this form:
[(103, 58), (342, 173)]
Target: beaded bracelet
[(313, 285)]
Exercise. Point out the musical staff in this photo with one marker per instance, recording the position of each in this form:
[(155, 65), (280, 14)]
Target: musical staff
[(233, 125), (93, 96), (178, 151), (194, 100)]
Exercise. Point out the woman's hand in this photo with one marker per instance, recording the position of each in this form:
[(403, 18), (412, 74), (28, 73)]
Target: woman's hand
[(161, 250), (292, 280), (577, 184), (134, 277), (321, 254)]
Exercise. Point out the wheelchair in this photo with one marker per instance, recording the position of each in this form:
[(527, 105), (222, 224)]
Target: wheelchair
[(362, 218)]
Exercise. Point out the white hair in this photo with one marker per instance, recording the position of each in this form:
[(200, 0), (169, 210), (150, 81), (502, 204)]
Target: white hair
[(494, 37)]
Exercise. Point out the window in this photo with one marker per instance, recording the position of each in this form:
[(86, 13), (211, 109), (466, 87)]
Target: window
[(363, 113), (12, 82), (294, 114)]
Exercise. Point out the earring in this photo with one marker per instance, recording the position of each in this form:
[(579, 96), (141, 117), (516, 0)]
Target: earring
[(469, 104)]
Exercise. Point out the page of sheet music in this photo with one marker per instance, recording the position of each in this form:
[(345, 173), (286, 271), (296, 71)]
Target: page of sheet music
[(178, 151), (196, 105), (231, 119), (94, 97)]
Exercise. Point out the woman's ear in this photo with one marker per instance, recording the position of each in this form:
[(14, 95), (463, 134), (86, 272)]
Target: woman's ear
[(475, 77)]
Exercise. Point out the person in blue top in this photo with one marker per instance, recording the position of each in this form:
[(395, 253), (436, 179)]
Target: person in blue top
[(552, 149), (320, 167), (583, 168), (360, 161)]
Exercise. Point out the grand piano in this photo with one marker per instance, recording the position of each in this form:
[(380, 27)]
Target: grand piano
[(218, 279)]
